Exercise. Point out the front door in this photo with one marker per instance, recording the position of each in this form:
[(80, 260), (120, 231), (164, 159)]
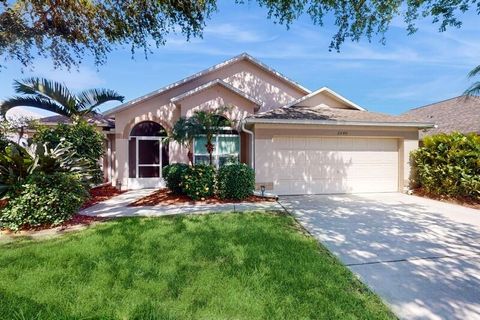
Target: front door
[(148, 163)]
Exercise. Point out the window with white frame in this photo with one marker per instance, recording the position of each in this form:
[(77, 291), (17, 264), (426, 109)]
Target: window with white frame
[(226, 148)]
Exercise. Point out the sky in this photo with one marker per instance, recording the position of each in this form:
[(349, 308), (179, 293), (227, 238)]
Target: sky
[(407, 71)]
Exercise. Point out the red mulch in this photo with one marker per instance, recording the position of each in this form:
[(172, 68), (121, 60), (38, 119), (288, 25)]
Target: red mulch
[(100, 194), (166, 197), (3, 203), (463, 201)]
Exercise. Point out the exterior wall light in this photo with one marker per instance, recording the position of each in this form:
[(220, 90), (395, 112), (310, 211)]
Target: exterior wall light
[(262, 188)]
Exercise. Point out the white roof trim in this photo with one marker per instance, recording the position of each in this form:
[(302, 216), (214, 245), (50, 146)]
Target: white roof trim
[(243, 56), (340, 122), (212, 84), (330, 91)]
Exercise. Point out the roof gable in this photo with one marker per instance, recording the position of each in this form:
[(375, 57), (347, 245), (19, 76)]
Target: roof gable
[(241, 57), (211, 84), (309, 99)]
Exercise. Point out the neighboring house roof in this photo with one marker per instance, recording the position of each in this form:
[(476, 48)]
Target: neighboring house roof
[(213, 83), (325, 90), (333, 116), (243, 56), (97, 119), (456, 114)]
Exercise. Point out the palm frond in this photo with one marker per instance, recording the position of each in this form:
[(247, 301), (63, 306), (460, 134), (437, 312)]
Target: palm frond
[(47, 89), (473, 90), (35, 102), (474, 72), (90, 99)]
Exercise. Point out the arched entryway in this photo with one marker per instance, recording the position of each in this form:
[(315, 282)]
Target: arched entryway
[(147, 155)]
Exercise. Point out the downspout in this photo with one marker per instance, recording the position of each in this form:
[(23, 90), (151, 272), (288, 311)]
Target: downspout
[(252, 144)]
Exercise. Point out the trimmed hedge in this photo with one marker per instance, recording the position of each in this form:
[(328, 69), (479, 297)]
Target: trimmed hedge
[(173, 176), (235, 181), (43, 199), (448, 164), (198, 182)]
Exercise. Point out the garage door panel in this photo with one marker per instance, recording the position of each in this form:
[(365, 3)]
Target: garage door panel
[(335, 165)]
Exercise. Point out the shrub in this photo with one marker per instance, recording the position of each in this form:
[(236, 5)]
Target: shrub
[(86, 141), (199, 181), (448, 164), (43, 199), (235, 181), (173, 176)]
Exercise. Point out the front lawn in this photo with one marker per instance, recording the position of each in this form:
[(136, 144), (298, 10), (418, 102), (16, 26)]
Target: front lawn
[(244, 266)]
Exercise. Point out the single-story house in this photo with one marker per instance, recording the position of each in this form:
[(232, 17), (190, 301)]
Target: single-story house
[(460, 114), (298, 141)]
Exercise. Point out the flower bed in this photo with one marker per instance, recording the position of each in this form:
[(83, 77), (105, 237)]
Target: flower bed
[(463, 201), (100, 194), (166, 197)]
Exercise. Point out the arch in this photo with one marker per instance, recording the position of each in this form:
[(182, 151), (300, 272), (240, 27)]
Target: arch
[(148, 129), (133, 122)]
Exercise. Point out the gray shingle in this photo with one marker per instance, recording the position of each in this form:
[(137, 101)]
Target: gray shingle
[(457, 114)]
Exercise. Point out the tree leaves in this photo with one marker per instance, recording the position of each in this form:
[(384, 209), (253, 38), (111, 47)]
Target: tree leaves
[(66, 31), (56, 97)]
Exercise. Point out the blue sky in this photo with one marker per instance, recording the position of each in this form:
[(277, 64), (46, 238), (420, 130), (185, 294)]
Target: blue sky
[(406, 72)]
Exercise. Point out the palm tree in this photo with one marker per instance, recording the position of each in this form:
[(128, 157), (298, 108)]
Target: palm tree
[(56, 97), (208, 123), (183, 132), (474, 89)]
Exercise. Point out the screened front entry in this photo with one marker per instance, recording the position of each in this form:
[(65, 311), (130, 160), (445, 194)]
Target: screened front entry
[(148, 154)]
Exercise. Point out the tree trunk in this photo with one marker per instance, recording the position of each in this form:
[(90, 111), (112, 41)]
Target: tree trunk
[(210, 147)]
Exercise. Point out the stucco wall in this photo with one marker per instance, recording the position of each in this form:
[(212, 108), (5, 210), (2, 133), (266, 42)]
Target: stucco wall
[(243, 75), (264, 133), (325, 99)]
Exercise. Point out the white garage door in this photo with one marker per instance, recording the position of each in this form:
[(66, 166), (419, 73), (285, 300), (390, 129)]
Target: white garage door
[(316, 165)]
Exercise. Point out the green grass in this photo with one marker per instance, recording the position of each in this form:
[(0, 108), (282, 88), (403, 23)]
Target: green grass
[(221, 266)]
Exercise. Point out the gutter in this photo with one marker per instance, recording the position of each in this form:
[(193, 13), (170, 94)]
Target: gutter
[(423, 125), (252, 145)]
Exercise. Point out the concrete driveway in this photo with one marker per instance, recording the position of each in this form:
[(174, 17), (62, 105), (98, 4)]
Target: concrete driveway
[(421, 256)]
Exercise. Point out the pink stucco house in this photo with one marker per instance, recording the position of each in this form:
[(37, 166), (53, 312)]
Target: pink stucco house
[(298, 141)]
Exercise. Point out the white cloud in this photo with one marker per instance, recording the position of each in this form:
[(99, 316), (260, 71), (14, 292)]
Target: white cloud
[(235, 33)]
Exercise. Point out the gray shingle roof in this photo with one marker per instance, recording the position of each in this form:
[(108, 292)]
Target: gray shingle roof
[(457, 114), (97, 119), (329, 114)]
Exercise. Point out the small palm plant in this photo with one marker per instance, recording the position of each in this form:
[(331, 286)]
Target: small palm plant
[(208, 123), (56, 97), (183, 132)]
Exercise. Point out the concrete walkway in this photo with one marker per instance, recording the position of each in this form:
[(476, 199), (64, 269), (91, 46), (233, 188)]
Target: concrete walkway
[(421, 256), (118, 207)]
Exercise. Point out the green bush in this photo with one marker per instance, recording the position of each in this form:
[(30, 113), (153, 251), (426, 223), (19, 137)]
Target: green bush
[(235, 181), (448, 164), (86, 141), (199, 181), (43, 199), (173, 176)]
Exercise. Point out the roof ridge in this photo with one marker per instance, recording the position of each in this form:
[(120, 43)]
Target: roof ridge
[(196, 75), (433, 103)]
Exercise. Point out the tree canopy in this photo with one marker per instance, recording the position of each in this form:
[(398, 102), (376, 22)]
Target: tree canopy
[(67, 30)]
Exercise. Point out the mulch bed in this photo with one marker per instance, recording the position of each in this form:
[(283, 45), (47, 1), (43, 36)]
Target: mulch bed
[(463, 201), (3, 203), (166, 197), (100, 194)]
